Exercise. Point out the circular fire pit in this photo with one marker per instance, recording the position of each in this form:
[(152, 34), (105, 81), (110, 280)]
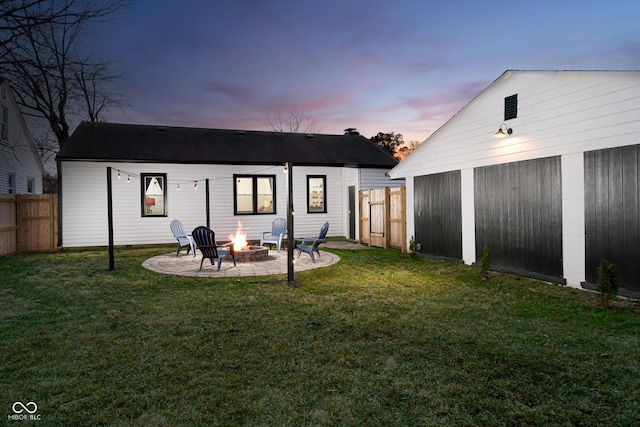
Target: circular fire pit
[(251, 254)]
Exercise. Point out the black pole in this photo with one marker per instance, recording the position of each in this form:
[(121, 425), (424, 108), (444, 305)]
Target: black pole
[(110, 218), (206, 186), (290, 239)]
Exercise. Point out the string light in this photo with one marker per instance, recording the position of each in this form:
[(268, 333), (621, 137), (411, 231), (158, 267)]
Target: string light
[(131, 175)]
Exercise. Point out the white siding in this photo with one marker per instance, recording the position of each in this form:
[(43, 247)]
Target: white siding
[(372, 179), (17, 154), (350, 177), (573, 225), (562, 113), (309, 224), (84, 200), (558, 113)]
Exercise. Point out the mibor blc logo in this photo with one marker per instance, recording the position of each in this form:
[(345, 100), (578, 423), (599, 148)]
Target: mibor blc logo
[(24, 412)]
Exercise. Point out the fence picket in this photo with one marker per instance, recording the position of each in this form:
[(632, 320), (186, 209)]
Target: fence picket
[(28, 223), (383, 217)]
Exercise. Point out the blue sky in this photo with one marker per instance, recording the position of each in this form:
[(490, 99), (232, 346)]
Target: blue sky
[(399, 66)]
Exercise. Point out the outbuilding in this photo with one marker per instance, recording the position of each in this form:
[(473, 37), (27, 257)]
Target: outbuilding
[(542, 168)]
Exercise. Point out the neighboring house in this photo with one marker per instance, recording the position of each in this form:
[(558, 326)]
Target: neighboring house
[(164, 173), (20, 168), (556, 194)]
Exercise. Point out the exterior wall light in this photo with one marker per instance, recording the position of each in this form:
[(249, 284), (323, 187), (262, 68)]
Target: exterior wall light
[(501, 133)]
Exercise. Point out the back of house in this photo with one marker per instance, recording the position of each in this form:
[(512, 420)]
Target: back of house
[(214, 177)]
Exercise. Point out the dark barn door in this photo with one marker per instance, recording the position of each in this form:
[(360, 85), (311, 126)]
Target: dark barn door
[(518, 216), (438, 215), (612, 199)]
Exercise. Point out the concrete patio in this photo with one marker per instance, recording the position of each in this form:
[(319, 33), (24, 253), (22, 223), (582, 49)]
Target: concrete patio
[(276, 263)]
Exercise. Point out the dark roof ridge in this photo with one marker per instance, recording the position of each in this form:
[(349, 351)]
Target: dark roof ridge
[(101, 141)]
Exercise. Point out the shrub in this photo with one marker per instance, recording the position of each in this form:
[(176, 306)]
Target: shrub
[(485, 262), (412, 247), (607, 282)]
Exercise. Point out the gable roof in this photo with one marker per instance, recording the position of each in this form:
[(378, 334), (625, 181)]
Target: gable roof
[(443, 136), (164, 144)]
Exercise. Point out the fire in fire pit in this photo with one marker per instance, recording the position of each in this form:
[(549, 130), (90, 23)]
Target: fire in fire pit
[(244, 252)]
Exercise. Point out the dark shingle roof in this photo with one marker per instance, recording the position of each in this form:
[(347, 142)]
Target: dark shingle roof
[(144, 143)]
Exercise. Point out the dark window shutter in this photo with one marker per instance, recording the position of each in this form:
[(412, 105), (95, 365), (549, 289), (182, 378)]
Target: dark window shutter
[(511, 107)]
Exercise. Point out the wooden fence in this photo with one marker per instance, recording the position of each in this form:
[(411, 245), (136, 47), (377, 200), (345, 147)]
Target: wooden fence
[(383, 217), (28, 223)]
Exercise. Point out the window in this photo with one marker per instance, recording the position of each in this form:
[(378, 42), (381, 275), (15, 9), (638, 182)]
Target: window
[(254, 194), (511, 107), (316, 196), (154, 194), (30, 184), (4, 123), (11, 183)]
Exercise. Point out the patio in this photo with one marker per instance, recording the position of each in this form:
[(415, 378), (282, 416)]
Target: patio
[(276, 263)]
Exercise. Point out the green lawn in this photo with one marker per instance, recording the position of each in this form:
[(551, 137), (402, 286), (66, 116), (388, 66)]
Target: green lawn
[(379, 339)]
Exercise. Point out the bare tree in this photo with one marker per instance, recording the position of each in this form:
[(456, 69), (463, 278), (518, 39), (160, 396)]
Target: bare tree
[(295, 121), (18, 15), (41, 57), (92, 81), (46, 147)]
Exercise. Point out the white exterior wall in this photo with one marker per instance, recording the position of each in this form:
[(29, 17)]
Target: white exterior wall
[(561, 113), (573, 225), (351, 178), (17, 154), (308, 224), (84, 202), (468, 216), (362, 180), (373, 179)]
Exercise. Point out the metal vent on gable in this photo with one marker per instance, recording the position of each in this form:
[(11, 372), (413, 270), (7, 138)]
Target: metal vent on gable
[(511, 107)]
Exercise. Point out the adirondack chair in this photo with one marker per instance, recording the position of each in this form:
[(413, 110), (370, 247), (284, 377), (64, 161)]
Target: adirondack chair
[(275, 236), (183, 240), (205, 239), (310, 245)]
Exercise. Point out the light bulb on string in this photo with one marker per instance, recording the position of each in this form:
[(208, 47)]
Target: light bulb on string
[(128, 179), (195, 185), (178, 187), (118, 174)]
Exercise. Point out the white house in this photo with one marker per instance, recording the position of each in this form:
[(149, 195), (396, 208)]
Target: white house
[(210, 177), (20, 168), (550, 196)]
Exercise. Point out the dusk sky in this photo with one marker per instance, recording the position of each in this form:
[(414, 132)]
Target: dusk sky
[(379, 66)]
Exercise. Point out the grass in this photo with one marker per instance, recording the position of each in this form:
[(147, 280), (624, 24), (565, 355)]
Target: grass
[(379, 339)]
